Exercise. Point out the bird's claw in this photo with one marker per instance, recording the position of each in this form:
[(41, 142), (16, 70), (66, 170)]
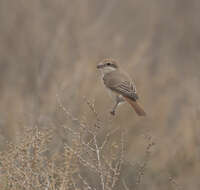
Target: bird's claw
[(112, 112)]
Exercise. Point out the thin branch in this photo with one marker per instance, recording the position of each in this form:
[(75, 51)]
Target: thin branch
[(174, 183), (86, 183), (99, 163), (83, 161), (147, 156), (121, 160), (74, 119), (125, 185), (107, 138)]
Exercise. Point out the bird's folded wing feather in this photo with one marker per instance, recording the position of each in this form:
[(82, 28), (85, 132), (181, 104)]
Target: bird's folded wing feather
[(121, 83)]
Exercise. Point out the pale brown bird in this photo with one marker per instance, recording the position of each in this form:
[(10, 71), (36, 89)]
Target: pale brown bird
[(120, 85)]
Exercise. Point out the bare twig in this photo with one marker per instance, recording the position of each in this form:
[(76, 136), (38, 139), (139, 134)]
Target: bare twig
[(120, 162), (85, 183), (147, 156), (125, 185), (74, 119), (99, 163), (174, 183), (107, 138)]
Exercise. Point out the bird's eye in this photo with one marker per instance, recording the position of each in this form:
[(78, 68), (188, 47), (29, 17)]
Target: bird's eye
[(108, 63)]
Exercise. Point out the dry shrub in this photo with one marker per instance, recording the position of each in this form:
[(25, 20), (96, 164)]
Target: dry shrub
[(23, 165), (89, 161)]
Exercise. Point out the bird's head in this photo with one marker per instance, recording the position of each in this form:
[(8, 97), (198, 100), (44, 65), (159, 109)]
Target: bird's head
[(107, 65)]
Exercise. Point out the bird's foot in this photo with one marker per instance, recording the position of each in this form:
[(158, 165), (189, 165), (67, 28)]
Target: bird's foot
[(112, 112)]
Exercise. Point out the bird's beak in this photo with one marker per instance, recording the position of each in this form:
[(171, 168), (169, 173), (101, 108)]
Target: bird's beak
[(99, 66)]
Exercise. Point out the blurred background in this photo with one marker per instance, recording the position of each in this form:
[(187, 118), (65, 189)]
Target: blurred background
[(50, 47)]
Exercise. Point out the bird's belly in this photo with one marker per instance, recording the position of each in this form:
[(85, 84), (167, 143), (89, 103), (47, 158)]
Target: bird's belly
[(115, 95)]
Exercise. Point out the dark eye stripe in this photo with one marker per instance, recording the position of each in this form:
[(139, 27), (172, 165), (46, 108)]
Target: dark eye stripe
[(110, 64)]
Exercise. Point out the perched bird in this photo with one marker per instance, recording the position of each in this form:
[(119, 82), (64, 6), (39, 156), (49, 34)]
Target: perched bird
[(120, 85)]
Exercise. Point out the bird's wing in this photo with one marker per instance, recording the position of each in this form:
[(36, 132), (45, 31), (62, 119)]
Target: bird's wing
[(121, 83)]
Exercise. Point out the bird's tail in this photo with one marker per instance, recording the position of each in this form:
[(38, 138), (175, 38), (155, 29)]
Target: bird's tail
[(138, 109)]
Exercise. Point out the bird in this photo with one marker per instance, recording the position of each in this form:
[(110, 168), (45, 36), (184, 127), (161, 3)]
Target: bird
[(121, 87)]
